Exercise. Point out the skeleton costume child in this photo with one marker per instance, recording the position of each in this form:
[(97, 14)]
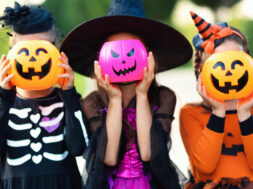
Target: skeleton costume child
[(39, 136), (170, 49)]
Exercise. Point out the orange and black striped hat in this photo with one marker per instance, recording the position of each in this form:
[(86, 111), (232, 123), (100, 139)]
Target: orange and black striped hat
[(210, 36), (204, 27)]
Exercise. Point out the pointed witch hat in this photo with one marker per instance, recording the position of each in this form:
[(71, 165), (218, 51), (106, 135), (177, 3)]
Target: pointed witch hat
[(170, 48), (211, 35), (204, 28)]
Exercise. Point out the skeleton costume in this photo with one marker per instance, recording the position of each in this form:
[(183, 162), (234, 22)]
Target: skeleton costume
[(39, 137), (170, 49)]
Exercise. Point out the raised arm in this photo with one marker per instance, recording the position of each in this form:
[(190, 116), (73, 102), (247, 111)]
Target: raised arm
[(113, 119), (7, 99), (76, 136), (244, 112)]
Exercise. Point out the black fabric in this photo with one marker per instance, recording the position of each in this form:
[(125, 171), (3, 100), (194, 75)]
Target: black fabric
[(232, 151), (27, 20), (164, 174), (247, 126), (39, 139), (216, 124), (170, 47)]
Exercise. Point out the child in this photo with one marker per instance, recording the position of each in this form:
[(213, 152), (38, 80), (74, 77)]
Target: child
[(41, 131), (217, 136), (130, 122)]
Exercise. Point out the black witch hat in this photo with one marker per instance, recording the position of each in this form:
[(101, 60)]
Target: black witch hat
[(170, 48), (27, 19)]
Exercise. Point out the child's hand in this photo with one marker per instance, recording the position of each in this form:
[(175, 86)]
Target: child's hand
[(142, 86), (4, 78), (68, 75), (243, 107), (218, 107), (113, 91)]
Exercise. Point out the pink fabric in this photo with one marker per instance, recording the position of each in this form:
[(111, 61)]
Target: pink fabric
[(131, 165), (132, 183), (130, 174)]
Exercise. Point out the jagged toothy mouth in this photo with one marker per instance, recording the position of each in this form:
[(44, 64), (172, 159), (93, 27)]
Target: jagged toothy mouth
[(241, 84), (28, 75), (125, 71)]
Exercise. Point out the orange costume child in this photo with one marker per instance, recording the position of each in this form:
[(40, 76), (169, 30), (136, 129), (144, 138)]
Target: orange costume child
[(219, 143)]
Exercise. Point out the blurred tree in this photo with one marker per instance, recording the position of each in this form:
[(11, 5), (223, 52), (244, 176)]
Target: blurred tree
[(71, 13), (4, 41), (215, 4), (159, 9)]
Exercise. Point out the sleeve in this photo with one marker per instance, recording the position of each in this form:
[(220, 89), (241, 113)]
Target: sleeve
[(161, 166), (7, 99), (76, 132), (247, 139), (203, 143), (95, 118)]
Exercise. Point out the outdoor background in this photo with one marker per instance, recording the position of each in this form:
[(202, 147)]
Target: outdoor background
[(70, 13)]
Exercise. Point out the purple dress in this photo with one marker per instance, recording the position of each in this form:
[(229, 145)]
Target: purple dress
[(130, 174)]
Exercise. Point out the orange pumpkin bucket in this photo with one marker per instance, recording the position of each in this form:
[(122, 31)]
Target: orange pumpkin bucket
[(34, 64), (228, 75)]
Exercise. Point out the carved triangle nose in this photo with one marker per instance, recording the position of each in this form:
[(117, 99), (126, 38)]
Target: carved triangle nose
[(123, 62), (228, 73), (32, 59)]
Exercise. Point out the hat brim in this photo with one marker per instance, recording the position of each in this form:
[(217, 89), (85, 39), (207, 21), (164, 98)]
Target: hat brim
[(82, 44)]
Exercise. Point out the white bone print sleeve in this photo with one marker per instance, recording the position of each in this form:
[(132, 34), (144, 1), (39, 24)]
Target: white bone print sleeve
[(76, 135)]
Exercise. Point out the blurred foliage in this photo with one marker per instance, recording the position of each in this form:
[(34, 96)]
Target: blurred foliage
[(214, 4), (70, 13), (4, 41), (159, 9), (67, 19), (245, 26)]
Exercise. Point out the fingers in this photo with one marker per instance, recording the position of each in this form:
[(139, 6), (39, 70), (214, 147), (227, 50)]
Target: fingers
[(64, 59), (151, 63), (107, 82), (4, 68), (3, 64), (98, 71), (65, 75), (65, 66), (245, 100), (2, 59), (8, 78), (64, 56)]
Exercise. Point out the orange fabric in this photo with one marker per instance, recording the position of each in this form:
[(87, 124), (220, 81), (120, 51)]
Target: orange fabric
[(204, 146), (202, 26), (218, 33)]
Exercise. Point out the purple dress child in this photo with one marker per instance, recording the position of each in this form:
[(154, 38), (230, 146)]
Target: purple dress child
[(130, 173)]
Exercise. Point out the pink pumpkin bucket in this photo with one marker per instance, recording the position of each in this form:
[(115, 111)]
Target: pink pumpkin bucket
[(123, 60)]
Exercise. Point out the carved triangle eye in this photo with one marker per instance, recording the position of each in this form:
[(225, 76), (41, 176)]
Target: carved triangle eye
[(41, 50), (236, 62), (131, 53), (219, 64), (24, 50), (114, 54)]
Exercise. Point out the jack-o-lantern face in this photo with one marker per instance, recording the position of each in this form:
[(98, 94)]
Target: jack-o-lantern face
[(34, 64), (228, 75), (123, 60)]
